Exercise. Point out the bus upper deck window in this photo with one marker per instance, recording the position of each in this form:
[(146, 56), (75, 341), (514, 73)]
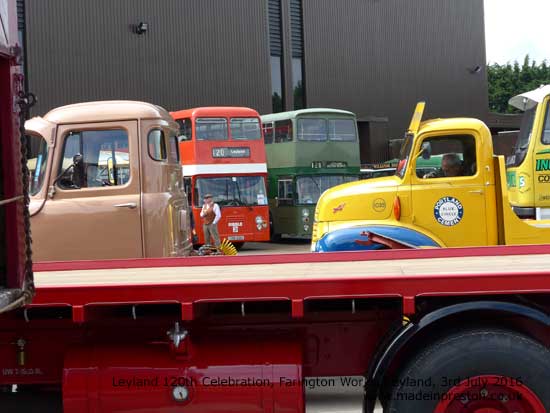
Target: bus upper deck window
[(185, 133), (211, 129), (245, 129), (268, 132), (312, 129), (283, 131), (342, 130)]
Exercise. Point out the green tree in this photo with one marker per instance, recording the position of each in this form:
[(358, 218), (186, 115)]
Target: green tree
[(509, 80)]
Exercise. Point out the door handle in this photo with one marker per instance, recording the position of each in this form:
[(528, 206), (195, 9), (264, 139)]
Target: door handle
[(477, 191), (130, 205)]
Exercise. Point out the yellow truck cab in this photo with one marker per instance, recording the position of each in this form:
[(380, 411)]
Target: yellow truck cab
[(463, 203), (106, 182), (528, 173)]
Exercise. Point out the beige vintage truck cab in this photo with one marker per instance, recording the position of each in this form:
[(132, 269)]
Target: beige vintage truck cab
[(106, 182)]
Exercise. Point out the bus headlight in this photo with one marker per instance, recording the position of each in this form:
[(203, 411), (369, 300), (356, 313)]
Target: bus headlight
[(260, 223), (305, 212), (306, 227)]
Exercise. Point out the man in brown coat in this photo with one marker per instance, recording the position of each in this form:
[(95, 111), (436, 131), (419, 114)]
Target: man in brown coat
[(210, 214)]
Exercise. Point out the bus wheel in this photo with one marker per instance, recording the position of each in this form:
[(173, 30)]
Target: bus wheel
[(274, 237), (475, 371), (238, 245)]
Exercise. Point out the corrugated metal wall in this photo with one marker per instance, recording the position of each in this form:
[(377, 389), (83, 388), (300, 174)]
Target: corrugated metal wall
[(378, 58), (375, 58), (203, 52)]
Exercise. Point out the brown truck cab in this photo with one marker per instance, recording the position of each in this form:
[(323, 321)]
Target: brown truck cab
[(106, 182)]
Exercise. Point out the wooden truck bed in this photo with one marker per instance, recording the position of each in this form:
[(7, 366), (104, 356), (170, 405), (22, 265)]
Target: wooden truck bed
[(297, 278)]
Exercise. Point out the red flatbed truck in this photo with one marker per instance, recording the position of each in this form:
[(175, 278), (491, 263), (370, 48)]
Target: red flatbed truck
[(443, 331), (457, 330)]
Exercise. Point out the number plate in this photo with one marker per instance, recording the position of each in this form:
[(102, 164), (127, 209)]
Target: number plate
[(236, 238)]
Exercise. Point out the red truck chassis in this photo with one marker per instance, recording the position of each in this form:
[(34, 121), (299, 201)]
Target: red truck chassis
[(16, 286), (250, 333)]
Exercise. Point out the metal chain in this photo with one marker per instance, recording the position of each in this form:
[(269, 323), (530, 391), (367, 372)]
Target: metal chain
[(25, 102)]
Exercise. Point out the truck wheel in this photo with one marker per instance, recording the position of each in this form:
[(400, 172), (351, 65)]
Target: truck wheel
[(475, 371)]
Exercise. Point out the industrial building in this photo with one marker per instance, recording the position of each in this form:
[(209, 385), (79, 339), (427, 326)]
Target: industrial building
[(375, 58)]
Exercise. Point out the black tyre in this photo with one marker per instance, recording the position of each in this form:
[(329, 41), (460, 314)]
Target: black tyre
[(274, 237), (238, 245), (481, 370)]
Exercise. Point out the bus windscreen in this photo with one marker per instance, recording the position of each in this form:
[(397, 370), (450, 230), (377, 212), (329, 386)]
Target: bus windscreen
[(342, 130), (245, 128), (233, 190), (312, 129), (310, 188)]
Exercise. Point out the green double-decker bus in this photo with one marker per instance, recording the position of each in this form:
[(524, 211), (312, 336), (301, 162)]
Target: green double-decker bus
[(308, 151)]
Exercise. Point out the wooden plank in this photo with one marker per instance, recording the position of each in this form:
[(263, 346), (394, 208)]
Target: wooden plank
[(297, 271)]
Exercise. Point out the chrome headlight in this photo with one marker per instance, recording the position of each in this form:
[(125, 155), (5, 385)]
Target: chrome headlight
[(260, 223)]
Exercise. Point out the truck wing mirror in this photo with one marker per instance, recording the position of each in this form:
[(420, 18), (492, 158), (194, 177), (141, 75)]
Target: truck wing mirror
[(75, 166), (426, 150), (77, 160)]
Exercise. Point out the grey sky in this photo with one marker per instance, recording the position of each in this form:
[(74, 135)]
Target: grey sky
[(514, 28)]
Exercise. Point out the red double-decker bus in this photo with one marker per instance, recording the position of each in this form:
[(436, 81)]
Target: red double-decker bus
[(222, 153)]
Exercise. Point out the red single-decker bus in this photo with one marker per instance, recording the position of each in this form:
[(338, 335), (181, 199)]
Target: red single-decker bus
[(222, 153)]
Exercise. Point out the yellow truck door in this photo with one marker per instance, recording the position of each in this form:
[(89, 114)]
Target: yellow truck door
[(450, 202), (95, 212)]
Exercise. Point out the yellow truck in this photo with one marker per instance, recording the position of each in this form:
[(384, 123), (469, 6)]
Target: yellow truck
[(471, 200)]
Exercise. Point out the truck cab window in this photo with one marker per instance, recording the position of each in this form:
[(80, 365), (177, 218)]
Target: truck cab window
[(94, 159), (448, 157), (524, 137), (156, 145), (546, 129), (37, 157), (174, 147)]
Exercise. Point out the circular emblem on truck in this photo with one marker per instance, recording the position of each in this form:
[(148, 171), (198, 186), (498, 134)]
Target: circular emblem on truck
[(448, 211), (379, 205)]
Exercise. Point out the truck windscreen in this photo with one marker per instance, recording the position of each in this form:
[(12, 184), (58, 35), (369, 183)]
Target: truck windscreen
[(524, 138), (37, 157)]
